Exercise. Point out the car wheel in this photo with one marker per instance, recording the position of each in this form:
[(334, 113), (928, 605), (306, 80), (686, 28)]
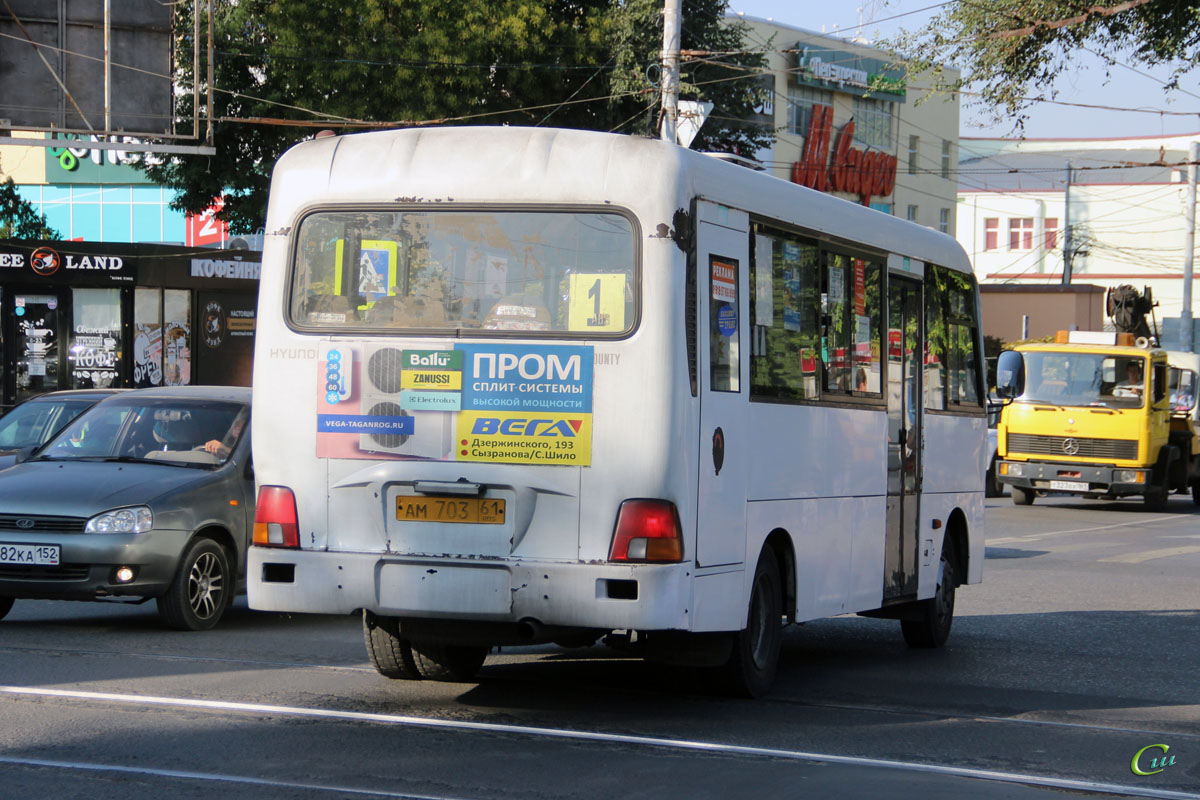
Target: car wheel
[(390, 655), (448, 662), (6, 604), (751, 668), (1196, 493), (199, 593), (1022, 497), (931, 627)]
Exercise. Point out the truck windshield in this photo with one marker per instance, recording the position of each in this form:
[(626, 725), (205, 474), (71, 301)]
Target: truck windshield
[(444, 271), (1084, 379)]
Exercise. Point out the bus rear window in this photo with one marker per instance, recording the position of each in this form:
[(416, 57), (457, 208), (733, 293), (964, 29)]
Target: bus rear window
[(540, 272)]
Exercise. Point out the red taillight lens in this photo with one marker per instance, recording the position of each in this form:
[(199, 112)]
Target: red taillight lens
[(275, 518), (647, 530)]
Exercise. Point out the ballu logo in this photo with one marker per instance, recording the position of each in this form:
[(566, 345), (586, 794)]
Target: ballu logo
[(1156, 763)]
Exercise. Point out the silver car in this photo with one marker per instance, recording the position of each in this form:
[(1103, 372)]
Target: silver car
[(32, 423), (150, 493)]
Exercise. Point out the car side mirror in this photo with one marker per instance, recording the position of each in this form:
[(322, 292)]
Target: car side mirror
[(1010, 376)]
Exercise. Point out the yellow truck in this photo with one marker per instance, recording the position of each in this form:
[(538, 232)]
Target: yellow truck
[(1100, 415)]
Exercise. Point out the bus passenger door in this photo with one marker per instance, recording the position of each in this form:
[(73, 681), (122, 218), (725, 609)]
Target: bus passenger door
[(904, 404), (722, 261)]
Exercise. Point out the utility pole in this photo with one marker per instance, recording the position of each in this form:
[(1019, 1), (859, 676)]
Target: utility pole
[(1067, 243), (1186, 334), (670, 59)]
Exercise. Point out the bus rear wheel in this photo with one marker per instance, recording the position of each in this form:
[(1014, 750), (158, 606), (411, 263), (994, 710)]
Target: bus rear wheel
[(931, 626), (751, 668), (390, 654), (448, 662)]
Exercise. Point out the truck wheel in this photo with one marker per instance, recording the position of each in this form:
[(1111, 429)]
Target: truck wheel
[(935, 616), (750, 670), (991, 486), (1022, 497), (1155, 498), (390, 655), (448, 662)]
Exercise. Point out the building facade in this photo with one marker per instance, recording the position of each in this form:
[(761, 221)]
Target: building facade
[(1118, 218), (848, 120)]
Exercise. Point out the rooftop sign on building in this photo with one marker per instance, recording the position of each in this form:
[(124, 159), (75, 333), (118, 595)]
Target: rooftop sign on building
[(840, 70)]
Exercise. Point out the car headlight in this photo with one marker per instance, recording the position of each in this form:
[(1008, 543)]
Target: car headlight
[(123, 520)]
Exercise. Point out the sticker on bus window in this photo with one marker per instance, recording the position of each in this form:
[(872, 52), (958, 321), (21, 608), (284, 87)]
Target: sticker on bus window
[(375, 275), (597, 302)]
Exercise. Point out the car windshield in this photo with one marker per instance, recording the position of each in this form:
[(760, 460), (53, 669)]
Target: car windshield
[(34, 422), (175, 431), (1084, 379)]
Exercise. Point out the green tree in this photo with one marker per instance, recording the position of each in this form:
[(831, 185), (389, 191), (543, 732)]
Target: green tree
[(1011, 51), (19, 219), (578, 64)]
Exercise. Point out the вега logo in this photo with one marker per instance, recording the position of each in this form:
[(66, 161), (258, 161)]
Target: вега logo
[(518, 426)]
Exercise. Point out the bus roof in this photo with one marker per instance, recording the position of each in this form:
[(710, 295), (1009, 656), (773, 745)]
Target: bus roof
[(546, 165)]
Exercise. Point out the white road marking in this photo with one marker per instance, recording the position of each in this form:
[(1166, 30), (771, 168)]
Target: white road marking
[(1150, 555), (596, 736), (1033, 537), (86, 766)]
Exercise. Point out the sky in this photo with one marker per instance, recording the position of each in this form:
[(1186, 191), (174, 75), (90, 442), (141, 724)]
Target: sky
[(1085, 84)]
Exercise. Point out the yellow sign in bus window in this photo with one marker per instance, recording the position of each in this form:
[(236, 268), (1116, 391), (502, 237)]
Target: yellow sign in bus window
[(597, 302)]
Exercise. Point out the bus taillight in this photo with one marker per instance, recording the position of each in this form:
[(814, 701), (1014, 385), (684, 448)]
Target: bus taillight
[(275, 518), (647, 530)]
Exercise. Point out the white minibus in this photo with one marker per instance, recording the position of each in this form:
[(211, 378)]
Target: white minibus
[(522, 385)]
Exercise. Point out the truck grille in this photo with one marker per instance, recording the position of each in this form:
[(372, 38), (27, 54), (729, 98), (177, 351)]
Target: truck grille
[(1069, 447)]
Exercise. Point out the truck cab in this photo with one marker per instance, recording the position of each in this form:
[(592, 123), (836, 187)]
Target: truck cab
[(1093, 416)]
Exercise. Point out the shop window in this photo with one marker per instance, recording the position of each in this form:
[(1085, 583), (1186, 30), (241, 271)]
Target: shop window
[(177, 337), (147, 338), (801, 100), (1020, 233), (96, 345), (991, 233)]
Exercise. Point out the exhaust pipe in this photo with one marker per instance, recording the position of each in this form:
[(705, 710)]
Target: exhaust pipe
[(531, 630)]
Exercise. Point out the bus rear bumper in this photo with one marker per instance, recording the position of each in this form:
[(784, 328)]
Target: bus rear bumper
[(608, 596), (1074, 478)]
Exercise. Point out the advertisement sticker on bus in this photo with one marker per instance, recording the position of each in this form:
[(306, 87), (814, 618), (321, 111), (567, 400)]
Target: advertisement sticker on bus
[(511, 403)]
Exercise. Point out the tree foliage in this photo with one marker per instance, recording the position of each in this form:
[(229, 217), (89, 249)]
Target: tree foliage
[(19, 219), (576, 64), (1011, 51)]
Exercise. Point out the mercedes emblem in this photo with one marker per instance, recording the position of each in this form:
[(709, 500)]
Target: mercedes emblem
[(1070, 446)]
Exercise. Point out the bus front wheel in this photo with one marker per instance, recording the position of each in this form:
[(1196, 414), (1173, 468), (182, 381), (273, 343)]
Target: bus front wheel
[(930, 627), (750, 670)]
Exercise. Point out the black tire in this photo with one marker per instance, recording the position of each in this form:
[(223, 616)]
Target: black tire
[(1022, 497), (448, 662), (201, 589), (6, 604), (1155, 498), (390, 654), (931, 627), (750, 671), (991, 486)]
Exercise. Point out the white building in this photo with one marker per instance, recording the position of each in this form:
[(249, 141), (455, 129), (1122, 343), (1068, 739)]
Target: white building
[(821, 84), (1125, 219)]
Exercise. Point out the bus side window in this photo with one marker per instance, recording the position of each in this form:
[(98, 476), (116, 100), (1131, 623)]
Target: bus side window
[(785, 296)]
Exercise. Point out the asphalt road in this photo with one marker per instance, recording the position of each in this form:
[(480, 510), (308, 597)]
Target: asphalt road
[(1077, 651)]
